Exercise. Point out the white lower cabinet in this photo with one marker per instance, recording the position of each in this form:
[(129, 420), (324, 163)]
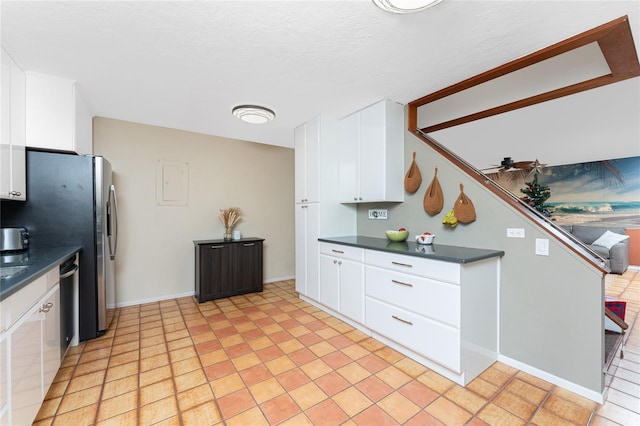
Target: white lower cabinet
[(423, 296), (29, 351), (306, 239), (342, 280), (26, 368), (436, 341), (50, 339), (4, 380), (330, 281), (443, 312)]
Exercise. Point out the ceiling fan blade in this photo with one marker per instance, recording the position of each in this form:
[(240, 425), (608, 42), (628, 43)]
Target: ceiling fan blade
[(522, 165)]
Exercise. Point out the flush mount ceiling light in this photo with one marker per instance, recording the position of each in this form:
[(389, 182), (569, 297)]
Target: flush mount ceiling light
[(253, 114), (405, 6)]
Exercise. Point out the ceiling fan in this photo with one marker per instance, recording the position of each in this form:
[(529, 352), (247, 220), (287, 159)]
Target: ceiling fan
[(522, 169), (507, 164)]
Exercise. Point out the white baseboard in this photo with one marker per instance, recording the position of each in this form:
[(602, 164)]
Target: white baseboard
[(154, 299), (558, 381), (176, 296), (275, 280)]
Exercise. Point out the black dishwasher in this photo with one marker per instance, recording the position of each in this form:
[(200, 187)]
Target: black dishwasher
[(68, 270)]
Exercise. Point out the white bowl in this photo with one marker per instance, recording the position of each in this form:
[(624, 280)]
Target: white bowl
[(425, 239)]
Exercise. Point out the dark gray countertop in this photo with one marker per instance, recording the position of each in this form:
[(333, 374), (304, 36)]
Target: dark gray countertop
[(441, 252), (38, 262)]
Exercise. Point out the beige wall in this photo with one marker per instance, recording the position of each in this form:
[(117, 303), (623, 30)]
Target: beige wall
[(155, 250)]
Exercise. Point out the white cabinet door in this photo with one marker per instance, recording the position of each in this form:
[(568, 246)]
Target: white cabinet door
[(306, 144), (26, 367), (50, 339), (372, 154), (352, 290), (348, 157), (83, 122), (56, 118), (342, 280), (5, 125), (330, 281), (5, 367), (306, 253), (13, 183), (301, 247)]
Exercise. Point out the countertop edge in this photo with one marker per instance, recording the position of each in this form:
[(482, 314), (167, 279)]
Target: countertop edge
[(221, 241), (480, 254), (49, 258)]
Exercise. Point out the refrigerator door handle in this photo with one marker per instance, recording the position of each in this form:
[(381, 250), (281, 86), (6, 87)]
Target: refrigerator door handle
[(113, 218)]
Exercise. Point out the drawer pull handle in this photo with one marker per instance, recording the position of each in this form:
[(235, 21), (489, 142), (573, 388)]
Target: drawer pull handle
[(401, 320), (217, 247), (337, 251), (406, 265), (249, 244), (401, 283), (46, 307)]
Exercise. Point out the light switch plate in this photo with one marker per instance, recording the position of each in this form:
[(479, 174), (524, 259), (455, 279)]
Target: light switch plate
[(542, 246), (378, 214)]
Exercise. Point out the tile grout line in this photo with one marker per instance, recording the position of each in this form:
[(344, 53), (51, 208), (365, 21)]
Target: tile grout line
[(104, 379), (501, 389), (215, 400)]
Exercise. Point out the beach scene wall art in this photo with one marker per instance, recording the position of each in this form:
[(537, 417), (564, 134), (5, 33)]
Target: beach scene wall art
[(605, 191)]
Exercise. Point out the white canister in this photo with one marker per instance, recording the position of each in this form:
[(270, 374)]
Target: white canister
[(236, 235)]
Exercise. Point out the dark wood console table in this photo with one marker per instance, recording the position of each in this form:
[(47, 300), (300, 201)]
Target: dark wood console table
[(227, 268)]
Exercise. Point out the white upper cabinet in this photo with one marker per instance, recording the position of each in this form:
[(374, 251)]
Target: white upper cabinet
[(57, 117), (306, 144), (13, 183), (371, 154)]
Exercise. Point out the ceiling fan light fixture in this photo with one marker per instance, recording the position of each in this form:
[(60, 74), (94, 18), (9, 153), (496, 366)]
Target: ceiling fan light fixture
[(253, 114), (405, 6)]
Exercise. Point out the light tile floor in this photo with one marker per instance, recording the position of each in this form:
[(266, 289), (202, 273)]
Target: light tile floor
[(270, 358)]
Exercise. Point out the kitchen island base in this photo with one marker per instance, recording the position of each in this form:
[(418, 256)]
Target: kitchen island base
[(476, 359), (439, 308)]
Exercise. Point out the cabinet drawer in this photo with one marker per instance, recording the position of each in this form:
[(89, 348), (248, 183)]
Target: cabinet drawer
[(438, 342), (14, 306), (437, 270), (436, 300), (343, 252)]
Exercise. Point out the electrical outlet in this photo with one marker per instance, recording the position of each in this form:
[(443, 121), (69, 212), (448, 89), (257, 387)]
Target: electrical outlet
[(378, 214), (515, 233)]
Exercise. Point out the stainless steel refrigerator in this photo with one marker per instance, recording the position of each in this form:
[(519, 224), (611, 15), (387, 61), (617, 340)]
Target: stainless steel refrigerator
[(71, 200)]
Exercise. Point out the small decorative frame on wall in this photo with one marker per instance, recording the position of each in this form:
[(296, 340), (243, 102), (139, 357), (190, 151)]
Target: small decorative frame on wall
[(172, 183)]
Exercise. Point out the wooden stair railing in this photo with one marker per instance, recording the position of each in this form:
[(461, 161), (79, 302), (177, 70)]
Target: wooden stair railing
[(616, 319), (616, 43)]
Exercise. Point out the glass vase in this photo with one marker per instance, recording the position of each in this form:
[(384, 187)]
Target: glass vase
[(227, 234)]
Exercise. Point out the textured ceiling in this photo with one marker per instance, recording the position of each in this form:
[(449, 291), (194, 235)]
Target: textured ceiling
[(185, 64)]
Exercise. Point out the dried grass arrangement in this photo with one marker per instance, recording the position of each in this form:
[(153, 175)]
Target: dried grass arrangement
[(229, 217)]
